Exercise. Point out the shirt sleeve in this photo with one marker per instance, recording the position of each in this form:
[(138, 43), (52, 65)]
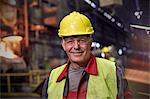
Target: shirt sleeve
[(44, 89), (122, 84)]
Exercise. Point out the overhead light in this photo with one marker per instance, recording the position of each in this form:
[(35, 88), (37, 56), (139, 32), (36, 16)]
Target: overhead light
[(95, 44), (8, 35), (138, 14), (102, 54), (120, 51), (13, 43), (12, 39), (6, 52), (140, 27)]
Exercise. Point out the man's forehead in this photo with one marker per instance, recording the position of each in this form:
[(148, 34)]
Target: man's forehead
[(77, 36)]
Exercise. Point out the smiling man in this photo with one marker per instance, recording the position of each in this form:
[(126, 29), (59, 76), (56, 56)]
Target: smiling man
[(78, 49), (84, 76)]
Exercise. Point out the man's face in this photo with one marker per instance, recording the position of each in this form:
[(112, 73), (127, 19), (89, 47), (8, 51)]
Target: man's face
[(78, 48)]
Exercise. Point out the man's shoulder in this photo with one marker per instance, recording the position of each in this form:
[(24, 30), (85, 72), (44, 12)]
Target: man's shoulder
[(104, 61), (59, 67), (105, 65)]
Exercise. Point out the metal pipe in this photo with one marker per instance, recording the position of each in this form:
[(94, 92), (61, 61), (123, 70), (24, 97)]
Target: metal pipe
[(26, 23)]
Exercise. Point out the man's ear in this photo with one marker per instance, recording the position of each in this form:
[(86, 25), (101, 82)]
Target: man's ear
[(63, 44), (91, 40)]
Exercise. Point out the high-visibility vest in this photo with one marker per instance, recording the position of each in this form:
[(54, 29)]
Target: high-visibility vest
[(103, 86)]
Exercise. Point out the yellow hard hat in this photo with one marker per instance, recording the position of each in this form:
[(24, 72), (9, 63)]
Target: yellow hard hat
[(75, 24), (105, 49)]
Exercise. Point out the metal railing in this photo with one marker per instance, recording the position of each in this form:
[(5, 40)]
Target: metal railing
[(33, 79)]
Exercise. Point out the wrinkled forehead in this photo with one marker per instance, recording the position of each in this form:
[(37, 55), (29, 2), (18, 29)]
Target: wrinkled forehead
[(76, 36)]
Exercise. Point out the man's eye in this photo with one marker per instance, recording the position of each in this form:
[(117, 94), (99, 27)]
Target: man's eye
[(83, 40), (69, 41)]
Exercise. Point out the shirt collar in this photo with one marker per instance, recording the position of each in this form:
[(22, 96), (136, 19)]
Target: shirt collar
[(91, 69), (92, 66)]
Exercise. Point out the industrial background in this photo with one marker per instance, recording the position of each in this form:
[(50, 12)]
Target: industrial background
[(30, 47)]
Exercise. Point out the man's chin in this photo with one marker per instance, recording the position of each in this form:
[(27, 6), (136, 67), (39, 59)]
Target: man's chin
[(77, 60)]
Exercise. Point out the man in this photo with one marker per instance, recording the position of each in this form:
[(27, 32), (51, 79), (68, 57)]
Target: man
[(84, 76), (107, 53)]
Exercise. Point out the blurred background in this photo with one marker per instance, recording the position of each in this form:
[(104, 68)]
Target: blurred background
[(30, 47)]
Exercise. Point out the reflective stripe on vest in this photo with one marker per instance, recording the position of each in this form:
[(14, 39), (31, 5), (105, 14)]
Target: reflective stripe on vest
[(103, 86)]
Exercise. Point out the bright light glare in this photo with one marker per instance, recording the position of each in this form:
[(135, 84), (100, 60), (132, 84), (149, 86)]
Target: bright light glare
[(103, 55), (120, 52)]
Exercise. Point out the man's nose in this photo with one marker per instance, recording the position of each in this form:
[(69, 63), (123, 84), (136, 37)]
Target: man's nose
[(76, 45)]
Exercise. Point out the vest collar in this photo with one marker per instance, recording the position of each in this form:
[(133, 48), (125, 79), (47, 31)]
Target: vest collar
[(91, 69)]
